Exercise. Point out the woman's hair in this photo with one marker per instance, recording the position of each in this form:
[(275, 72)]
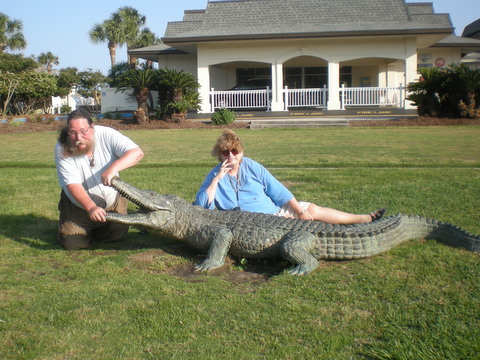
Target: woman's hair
[(227, 141)]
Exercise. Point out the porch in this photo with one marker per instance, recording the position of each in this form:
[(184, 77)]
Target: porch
[(316, 98)]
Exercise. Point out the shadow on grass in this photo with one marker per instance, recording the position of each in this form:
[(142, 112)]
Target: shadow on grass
[(32, 230), (40, 233)]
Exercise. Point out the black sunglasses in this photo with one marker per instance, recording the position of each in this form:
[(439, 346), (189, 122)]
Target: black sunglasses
[(227, 152)]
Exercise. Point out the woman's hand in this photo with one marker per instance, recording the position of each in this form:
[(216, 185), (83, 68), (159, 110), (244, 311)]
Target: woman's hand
[(224, 169), (305, 216)]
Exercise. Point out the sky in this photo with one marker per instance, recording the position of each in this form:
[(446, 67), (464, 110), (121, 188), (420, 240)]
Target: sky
[(62, 26)]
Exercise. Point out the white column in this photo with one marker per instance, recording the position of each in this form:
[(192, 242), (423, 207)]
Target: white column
[(203, 72), (382, 75), (333, 86), (410, 66), (277, 88)]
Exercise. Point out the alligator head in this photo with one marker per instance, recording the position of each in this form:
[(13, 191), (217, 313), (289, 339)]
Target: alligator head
[(156, 211)]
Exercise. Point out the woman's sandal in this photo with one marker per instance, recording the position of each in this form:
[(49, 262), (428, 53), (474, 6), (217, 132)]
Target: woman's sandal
[(377, 215)]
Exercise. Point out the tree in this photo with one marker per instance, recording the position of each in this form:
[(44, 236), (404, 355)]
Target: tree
[(110, 33), (131, 21), (145, 38), (451, 92), (16, 63), (11, 36), (66, 79), (177, 92), (464, 89), (426, 93), (48, 60), (123, 27), (89, 84), (32, 90), (141, 81)]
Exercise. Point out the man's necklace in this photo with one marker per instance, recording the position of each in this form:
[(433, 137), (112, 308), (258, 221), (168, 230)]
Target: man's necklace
[(92, 159)]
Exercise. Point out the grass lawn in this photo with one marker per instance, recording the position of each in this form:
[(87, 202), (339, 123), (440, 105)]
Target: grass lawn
[(139, 299)]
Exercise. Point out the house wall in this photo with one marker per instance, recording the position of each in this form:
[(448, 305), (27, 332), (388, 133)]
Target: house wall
[(365, 76), (438, 57), (185, 62), (334, 52), (122, 101)]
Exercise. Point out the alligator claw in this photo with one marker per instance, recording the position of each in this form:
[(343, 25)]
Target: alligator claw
[(207, 265), (300, 270)]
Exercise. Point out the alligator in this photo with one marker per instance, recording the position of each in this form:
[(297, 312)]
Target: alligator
[(258, 236)]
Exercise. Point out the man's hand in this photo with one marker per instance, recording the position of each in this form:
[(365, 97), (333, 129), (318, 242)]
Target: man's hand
[(96, 213)]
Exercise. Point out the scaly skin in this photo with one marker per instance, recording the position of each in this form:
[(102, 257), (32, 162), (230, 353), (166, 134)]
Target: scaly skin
[(258, 236)]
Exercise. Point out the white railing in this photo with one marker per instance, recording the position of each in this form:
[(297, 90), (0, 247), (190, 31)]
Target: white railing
[(240, 99), (371, 96), (314, 97)]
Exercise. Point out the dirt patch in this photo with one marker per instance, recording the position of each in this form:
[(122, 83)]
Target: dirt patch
[(180, 262), (128, 124), (50, 125)]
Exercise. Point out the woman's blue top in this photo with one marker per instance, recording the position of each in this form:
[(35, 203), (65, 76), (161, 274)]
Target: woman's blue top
[(256, 190)]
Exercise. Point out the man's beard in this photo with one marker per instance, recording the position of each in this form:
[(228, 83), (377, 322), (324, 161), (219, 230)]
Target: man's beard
[(70, 147)]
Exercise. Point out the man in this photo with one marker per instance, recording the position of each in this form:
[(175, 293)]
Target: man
[(87, 157)]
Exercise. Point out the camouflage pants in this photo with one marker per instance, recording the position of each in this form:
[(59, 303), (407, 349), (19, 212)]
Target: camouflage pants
[(76, 230)]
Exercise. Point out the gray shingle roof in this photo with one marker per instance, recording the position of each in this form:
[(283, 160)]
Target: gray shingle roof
[(236, 19)]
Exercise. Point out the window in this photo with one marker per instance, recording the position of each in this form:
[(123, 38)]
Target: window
[(313, 77)]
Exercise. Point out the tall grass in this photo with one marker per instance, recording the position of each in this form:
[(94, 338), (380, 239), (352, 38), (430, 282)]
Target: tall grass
[(139, 299)]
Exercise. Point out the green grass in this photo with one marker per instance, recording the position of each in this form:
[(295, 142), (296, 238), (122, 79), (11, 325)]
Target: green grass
[(138, 299)]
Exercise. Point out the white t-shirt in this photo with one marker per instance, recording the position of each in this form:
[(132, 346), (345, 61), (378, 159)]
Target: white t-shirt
[(110, 145)]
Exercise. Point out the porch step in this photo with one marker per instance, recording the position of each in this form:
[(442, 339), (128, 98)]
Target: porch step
[(298, 123)]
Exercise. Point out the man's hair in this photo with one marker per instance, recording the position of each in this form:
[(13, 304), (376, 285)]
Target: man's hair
[(79, 114), (63, 136), (227, 141)]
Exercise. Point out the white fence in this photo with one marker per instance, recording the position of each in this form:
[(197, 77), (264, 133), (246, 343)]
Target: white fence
[(240, 99), (372, 96), (315, 97)]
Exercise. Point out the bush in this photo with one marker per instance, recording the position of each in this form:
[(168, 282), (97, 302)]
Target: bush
[(65, 109), (223, 116)]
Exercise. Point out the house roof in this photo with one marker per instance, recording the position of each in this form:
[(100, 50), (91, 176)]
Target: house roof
[(472, 30), (266, 19)]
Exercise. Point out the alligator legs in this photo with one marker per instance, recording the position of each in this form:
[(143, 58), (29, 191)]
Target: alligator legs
[(296, 248)]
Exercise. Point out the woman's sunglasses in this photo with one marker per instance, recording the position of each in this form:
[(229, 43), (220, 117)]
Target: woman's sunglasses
[(227, 152)]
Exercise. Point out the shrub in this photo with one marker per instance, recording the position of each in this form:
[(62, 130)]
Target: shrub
[(65, 109), (223, 116)]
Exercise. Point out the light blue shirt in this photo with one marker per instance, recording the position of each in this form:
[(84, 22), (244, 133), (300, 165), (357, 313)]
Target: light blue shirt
[(256, 191)]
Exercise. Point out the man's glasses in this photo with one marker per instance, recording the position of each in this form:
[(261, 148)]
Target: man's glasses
[(81, 132), (227, 152)]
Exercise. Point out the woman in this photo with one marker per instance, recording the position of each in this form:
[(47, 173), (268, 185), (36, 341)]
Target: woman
[(240, 183)]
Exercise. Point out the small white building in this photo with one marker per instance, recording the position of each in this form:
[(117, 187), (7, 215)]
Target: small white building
[(73, 100)]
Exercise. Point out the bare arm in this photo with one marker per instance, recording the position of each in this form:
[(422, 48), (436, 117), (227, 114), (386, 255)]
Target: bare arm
[(305, 215), (212, 188), (96, 213), (128, 159)]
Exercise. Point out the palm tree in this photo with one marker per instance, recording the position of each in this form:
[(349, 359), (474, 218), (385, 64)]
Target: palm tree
[(464, 86), (141, 81), (11, 35), (110, 33), (179, 81), (145, 38), (121, 28), (177, 93), (47, 59), (427, 93)]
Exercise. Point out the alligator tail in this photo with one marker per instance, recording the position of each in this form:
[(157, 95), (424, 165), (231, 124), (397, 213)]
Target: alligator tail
[(418, 227)]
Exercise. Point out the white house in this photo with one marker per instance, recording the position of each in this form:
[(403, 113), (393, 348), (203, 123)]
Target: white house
[(318, 53)]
